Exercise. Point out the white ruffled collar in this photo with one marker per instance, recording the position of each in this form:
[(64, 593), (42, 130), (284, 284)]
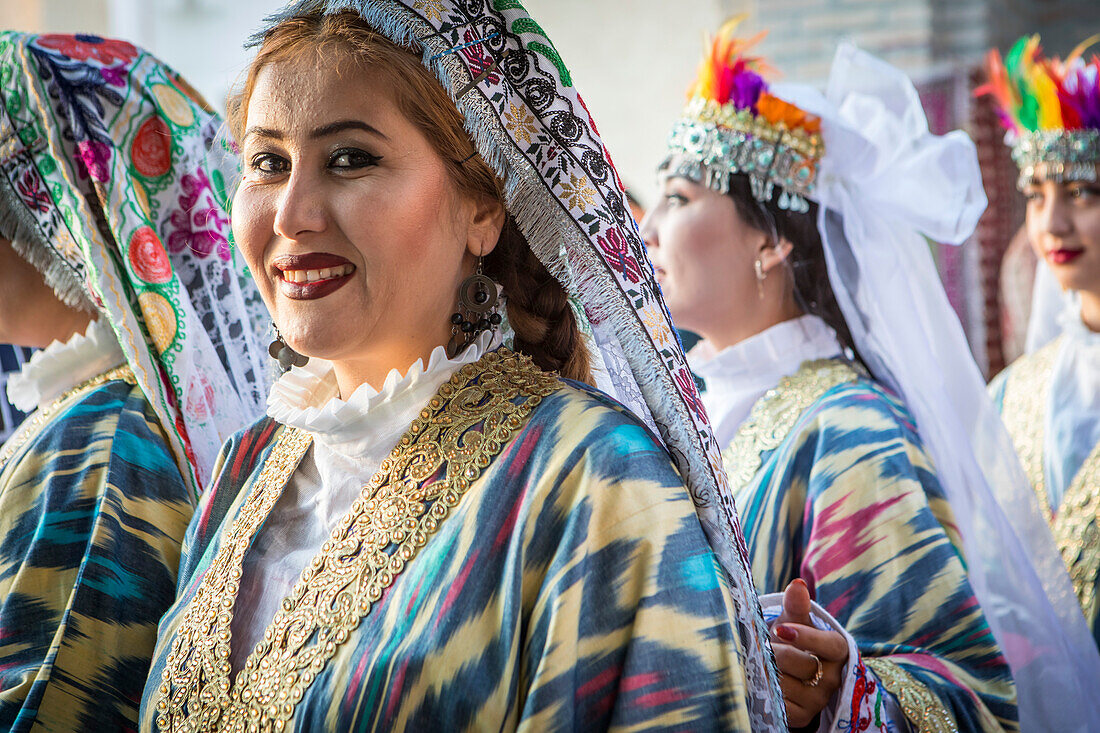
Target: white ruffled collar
[(61, 366), (739, 375), (307, 397), (794, 341)]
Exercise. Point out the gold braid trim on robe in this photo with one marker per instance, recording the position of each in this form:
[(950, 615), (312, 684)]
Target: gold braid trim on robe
[(456, 436), (923, 709), (1075, 523), (774, 415), (1027, 392)]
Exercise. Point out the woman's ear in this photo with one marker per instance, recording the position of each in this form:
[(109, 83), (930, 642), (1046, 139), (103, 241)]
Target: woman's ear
[(486, 223), (772, 255)]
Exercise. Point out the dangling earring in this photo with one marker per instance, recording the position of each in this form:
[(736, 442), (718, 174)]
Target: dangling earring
[(758, 266), (477, 302), (281, 352)]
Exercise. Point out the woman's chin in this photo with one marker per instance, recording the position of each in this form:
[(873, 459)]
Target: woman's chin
[(1074, 278), (320, 346)]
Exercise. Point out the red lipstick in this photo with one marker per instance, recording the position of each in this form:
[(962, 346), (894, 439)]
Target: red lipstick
[(1063, 256), (312, 275)]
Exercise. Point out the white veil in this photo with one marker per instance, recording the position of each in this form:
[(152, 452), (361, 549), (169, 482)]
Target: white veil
[(885, 184)]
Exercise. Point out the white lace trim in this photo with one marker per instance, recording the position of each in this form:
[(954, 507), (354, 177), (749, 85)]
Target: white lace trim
[(61, 366)]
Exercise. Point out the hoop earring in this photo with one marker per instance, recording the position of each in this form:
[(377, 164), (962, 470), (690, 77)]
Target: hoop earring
[(477, 304), (281, 352), (758, 266)]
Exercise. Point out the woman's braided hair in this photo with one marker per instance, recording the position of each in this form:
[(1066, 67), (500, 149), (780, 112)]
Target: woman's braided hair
[(538, 307)]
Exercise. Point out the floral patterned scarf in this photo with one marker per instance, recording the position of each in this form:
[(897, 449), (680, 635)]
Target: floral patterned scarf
[(115, 180)]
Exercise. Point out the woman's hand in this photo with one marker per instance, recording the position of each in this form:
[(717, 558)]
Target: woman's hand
[(811, 661)]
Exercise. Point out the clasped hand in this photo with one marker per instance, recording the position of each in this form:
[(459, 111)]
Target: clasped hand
[(811, 660)]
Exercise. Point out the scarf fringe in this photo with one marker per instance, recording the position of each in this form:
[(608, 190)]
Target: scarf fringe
[(19, 227)]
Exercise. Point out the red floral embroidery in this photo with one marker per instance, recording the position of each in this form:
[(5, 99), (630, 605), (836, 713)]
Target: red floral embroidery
[(148, 258), (478, 57), (32, 191), (618, 255), (686, 382), (151, 150), (864, 688), (83, 47), (200, 398)]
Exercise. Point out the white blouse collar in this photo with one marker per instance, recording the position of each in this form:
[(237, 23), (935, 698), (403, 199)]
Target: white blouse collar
[(59, 367), (794, 341), (307, 397), (739, 375)]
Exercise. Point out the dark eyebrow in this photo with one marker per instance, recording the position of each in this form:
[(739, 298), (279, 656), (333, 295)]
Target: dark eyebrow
[(325, 130), (339, 126), (263, 132)]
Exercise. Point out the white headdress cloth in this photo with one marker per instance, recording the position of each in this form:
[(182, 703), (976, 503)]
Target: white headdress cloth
[(1048, 303)]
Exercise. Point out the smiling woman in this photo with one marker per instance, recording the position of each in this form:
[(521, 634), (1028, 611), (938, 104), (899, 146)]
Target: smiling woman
[(337, 179), (443, 525)]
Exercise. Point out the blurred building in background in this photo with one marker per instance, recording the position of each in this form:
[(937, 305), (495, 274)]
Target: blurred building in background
[(633, 59)]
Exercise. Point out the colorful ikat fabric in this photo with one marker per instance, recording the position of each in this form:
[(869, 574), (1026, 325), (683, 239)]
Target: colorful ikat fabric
[(571, 588), (92, 515), (850, 502)]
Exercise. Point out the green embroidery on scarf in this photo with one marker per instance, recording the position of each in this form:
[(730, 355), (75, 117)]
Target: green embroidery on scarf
[(554, 58)]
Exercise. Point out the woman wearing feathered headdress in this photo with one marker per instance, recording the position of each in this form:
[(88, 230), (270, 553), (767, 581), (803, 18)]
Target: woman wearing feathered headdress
[(1050, 398), (859, 442), (115, 260)]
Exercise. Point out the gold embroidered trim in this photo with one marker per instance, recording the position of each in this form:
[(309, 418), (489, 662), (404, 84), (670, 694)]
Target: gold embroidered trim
[(921, 707), (1076, 523), (31, 427), (1077, 532), (774, 415), (456, 436)]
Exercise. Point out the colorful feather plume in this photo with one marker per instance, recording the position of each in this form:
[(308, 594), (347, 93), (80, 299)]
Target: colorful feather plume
[(726, 74), (733, 125), (1037, 93)]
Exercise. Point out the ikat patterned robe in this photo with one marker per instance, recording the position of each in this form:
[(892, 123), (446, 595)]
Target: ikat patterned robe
[(93, 510), (841, 493), (571, 588)]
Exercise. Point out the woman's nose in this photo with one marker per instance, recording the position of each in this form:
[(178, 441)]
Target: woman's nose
[(648, 228), (301, 208)]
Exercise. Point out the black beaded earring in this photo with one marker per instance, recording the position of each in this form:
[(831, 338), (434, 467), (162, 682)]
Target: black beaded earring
[(477, 302), (282, 353)]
